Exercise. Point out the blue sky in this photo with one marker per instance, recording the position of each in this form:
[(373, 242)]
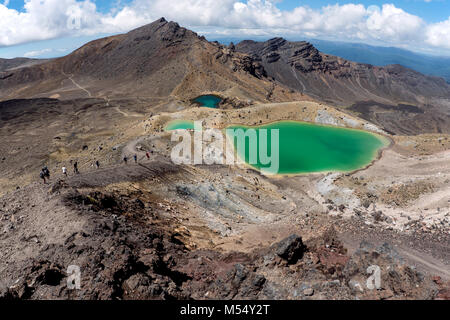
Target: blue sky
[(49, 28), (102, 5)]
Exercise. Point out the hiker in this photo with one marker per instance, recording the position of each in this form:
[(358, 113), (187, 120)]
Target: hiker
[(147, 155), (75, 167), (42, 175), (97, 164), (125, 159), (64, 170), (46, 172), (135, 158)]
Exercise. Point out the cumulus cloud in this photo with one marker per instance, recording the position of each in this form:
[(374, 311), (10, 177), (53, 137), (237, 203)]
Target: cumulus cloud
[(438, 34), (393, 23), (46, 19)]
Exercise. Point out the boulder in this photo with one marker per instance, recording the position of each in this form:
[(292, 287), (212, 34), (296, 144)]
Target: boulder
[(290, 249)]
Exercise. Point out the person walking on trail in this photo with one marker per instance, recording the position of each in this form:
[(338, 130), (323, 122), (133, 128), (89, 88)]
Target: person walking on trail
[(147, 155), (75, 167), (42, 175), (125, 159), (64, 171), (97, 164), (135, 158), (46, 172)]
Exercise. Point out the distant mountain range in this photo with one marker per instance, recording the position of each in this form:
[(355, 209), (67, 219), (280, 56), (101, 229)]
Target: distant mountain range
[(10, 64), (383, 56)]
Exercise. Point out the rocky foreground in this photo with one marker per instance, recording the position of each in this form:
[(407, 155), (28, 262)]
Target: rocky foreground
[(128, 247)]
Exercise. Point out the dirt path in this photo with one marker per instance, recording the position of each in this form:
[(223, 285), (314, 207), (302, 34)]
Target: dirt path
[(131, 148), (426, 262), (430, 256), (122, 173), (121, 112), (77, 85), (125, 113)]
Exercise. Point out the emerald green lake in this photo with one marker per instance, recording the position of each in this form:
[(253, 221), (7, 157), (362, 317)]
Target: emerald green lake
[(209, 101), (179, 124), (306, 148)]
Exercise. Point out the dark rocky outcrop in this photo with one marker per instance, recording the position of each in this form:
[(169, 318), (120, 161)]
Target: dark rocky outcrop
[(290, 249)]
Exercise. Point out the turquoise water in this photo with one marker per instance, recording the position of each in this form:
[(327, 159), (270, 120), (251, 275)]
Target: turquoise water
[(179, 124), (209, 101), (306, 148)]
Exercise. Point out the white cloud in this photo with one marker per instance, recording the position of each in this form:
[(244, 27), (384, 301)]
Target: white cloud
[(438, 34), (393, 23), (46, 19), (42, 19), (37, 53)]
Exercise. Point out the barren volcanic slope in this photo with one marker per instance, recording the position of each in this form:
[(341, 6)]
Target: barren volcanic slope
[(156, 230), (401, 100)]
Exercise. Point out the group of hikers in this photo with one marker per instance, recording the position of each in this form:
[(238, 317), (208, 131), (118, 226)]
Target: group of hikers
[(135, 158), (45, 173)]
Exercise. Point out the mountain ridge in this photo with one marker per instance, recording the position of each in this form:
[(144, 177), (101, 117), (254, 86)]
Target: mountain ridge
[(350, 85), (306, 60), (126, 64)]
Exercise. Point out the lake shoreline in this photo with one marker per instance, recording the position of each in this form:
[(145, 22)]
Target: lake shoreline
[(386, 143)]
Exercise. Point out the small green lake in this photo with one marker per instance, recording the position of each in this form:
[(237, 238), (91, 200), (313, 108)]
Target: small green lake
[(209, 101), (179, 124), (307, 148)]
